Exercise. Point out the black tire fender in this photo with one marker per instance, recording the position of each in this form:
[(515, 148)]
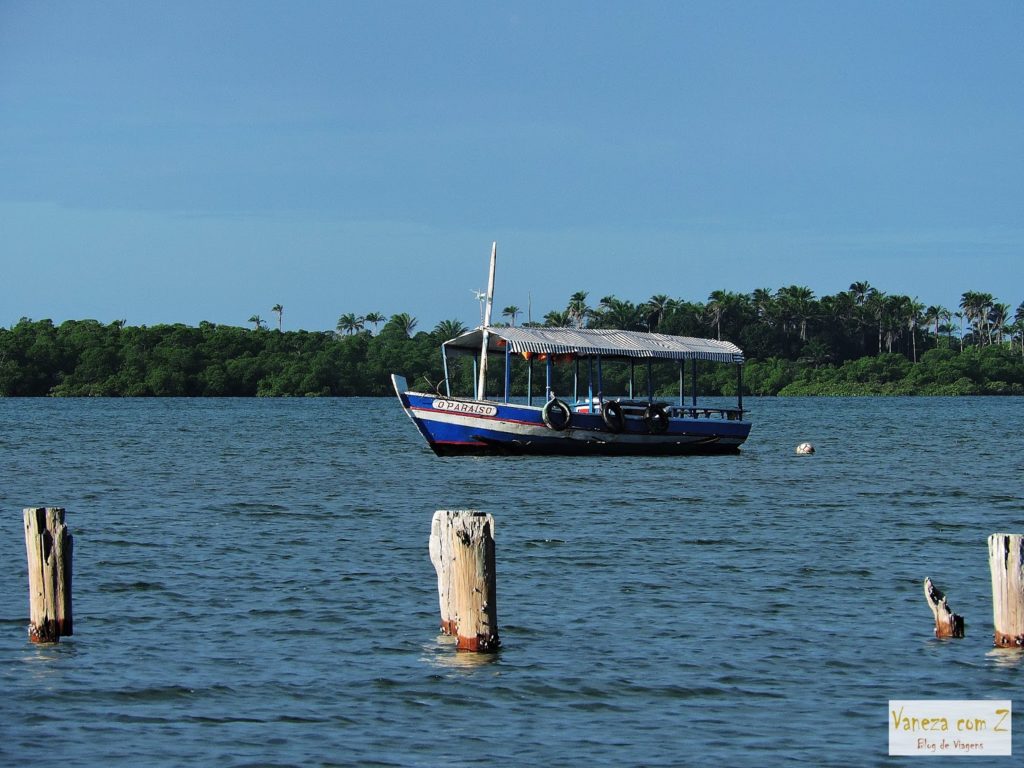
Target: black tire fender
[(556, 414), (656, 419), (611, 414)]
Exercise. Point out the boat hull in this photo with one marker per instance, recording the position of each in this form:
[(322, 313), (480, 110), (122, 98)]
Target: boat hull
[(456, 426)]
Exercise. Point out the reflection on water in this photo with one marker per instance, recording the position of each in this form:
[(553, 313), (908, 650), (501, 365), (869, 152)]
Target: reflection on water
[(445, 655), (1009, 658), (48, 653), (46, 667)]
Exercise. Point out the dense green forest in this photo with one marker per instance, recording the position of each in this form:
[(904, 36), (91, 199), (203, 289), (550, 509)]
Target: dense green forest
[(860, 341)]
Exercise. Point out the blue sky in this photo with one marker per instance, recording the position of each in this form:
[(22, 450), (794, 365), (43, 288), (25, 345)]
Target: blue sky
[(188, 161)]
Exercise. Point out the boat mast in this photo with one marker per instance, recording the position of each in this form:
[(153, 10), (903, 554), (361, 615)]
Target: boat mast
[(487, 323)]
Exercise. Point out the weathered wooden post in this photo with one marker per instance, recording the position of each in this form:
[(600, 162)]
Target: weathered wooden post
[(1006, 561), (947, 623), (462, 551), (48, 546)]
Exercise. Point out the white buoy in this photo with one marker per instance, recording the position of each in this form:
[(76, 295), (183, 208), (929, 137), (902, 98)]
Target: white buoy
[(804, 449)]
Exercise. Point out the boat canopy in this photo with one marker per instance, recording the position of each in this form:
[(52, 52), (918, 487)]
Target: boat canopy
[(593, 342)]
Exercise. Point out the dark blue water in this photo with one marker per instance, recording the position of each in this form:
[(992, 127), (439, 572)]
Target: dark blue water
[(252, 587)]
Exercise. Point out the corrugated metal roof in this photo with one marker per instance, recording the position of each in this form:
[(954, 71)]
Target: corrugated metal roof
[(584, 342)]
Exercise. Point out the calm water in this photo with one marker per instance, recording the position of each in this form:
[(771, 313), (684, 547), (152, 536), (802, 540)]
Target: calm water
[(252, 587)]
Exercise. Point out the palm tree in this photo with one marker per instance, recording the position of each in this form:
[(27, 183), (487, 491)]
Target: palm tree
[(892, 318), (657, 307), (935, 315), (597, 314), (257, 321), (621, 315), (986, 309), (968, 308), (946, 316), (960, 316), (841, 312), (866, 301), (912, 309), (558, 319), (577, 308), (1018, 324), (931, 317), (970, 304), (511, 312), (876, 307), (799, 302), (449, 329), (350, 323), (375, 318), (998, 315), (861, 291), (718, 302), (280, 314), (976, 307), (405, 321), (763, 302)]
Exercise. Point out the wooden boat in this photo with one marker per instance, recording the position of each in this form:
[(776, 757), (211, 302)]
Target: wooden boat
[(591, 422)]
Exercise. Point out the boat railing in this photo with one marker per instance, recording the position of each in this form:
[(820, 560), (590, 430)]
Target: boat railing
[(637, 408), (702, 412)]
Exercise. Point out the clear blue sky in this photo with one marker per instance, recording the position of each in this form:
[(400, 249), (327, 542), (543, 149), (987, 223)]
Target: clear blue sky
[(185, 161)]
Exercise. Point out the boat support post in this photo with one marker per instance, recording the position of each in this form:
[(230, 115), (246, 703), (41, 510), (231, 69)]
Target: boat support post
[(447, 378), (739, 388), (693, 378), (529, 382), (590, 384), (681, 395), (508, 370)]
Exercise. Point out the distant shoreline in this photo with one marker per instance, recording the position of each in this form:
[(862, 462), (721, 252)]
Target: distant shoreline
[(88, 359)]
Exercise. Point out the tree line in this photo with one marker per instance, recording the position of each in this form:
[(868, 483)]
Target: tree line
[(859, 341)]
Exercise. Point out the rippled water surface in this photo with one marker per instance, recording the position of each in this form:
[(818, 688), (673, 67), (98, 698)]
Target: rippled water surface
[(252, 587)]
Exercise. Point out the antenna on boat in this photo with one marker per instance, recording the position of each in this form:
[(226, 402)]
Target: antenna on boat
[(480, 296), (487, 322)]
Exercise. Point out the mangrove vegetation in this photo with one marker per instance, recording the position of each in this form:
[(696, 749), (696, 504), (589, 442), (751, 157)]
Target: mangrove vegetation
[(857, 342)]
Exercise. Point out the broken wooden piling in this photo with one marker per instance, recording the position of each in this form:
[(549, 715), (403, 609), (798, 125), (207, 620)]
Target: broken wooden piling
[(462, 551), (1006, 562), (48, 546), (947, 623)]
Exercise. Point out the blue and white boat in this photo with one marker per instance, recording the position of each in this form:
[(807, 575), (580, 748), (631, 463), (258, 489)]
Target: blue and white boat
[(591, 421)]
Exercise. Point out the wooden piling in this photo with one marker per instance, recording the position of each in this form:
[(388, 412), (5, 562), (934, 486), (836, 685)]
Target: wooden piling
[(48, 546), (462, 551), (1006, 562), (947, 623)]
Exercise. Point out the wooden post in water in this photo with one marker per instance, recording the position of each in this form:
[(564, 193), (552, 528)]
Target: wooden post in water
[(947, 623), (1006, 561), (48, 546), (462, 551)]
